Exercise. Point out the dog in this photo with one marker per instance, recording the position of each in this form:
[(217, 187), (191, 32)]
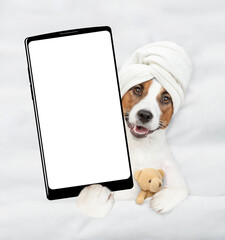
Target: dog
[(147, 109)]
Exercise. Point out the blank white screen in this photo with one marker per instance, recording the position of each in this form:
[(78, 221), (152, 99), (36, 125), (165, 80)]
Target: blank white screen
[(79, 109)]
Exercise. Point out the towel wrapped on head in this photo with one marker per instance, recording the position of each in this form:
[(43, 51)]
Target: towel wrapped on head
[(165, 61)]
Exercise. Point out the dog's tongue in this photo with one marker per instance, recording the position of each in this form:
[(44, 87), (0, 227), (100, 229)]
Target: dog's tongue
[(140, 130)]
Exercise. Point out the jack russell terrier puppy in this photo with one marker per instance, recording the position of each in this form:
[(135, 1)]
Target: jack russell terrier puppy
[(152, 85)]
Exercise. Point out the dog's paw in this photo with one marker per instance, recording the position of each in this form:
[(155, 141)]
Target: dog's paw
[(167, 199), (95, 201)]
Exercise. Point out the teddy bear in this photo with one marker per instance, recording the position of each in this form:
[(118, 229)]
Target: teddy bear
[(150, 182)]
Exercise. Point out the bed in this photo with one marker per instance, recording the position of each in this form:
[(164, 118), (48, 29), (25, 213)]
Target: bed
[(196, 135)]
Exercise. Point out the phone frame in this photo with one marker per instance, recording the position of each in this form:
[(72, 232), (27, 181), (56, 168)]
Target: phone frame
[(53, 194)]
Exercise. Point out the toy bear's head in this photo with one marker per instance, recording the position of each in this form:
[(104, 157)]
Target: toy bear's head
[(150, 179)]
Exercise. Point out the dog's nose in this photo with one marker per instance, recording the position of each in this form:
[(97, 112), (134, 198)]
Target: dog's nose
[(160, 184), (144, 116)]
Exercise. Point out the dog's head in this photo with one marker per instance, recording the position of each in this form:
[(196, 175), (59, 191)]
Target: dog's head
[(147, 107)]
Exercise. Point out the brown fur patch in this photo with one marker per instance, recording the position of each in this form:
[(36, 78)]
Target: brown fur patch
[(166, 109), (130, 99)]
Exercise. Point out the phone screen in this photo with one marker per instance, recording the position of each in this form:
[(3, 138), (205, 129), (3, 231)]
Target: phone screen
[(79, 109)]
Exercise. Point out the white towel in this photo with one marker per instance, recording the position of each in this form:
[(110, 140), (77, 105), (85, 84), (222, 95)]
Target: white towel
[(165, 61)]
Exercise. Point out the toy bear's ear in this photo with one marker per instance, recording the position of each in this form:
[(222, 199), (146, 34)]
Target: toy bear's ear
[(162, 173), (137, 174)]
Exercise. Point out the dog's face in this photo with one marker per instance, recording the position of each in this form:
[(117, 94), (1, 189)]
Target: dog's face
[(147, 107)]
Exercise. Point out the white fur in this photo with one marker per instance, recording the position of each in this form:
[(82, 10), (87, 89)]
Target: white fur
[(150, 152), (95, 201), (149, 103)]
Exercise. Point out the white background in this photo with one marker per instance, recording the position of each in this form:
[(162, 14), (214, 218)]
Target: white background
[(196, 135), (79, 109)]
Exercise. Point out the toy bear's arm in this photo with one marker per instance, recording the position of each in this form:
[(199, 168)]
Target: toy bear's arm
[(141, 197)]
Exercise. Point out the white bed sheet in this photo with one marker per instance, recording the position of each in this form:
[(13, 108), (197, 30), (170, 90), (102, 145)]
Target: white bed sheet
[(196, 218), (196, 135)]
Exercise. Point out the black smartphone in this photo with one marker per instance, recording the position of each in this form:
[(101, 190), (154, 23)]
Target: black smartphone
[(78, 111)]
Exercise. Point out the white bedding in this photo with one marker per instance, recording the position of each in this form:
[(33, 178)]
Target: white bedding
[(196, 135)]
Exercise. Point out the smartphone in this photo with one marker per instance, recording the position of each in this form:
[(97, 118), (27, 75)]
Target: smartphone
[(78, 111)]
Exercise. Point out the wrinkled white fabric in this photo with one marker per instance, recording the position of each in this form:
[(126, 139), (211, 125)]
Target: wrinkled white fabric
[(165, 61), (196, 135)]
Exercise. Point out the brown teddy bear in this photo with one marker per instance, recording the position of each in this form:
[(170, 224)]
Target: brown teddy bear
[(150, 182)]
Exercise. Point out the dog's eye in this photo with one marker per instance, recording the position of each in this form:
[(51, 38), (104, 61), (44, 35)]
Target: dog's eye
[(149, 181), (165, 99), (137, 90)]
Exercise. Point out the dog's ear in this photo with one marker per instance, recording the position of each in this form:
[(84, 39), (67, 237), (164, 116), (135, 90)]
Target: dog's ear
[(162, 173), (137, 174)]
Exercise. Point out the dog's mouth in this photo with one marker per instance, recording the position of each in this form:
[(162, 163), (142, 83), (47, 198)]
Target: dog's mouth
[(139, 131)]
